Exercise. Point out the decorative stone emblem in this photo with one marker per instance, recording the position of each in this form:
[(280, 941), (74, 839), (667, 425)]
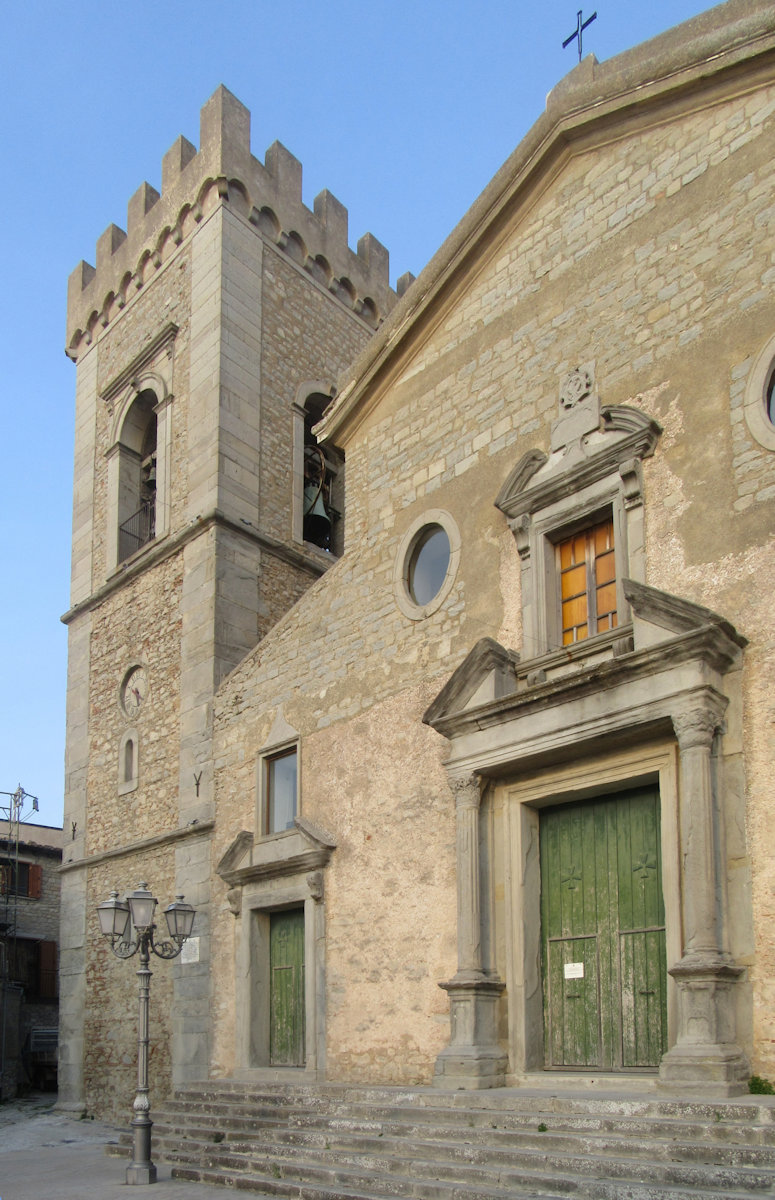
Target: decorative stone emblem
[(575, 387)]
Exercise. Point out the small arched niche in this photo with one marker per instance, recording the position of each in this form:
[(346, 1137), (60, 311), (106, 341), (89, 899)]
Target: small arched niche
[(128, 762)]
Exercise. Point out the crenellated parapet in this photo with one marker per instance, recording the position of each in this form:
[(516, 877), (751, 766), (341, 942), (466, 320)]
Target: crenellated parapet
[(268, 194)]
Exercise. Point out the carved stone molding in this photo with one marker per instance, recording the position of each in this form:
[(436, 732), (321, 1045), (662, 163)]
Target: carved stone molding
[(315, 884), (632, 482), (697, 726), (520, 527), (467, 790)]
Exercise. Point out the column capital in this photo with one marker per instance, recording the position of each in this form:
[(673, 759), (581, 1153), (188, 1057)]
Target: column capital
[(697, 724), (466, 788)]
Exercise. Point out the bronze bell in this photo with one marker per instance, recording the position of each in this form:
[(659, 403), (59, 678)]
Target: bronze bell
[(317, 523)]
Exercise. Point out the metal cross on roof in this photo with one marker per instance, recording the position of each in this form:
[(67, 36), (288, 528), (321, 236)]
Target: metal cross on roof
[(580, 27)]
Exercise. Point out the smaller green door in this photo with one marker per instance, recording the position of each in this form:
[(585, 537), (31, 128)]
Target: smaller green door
[(286, 994)]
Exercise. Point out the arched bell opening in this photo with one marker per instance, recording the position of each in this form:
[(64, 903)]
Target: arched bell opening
[(323, 483)]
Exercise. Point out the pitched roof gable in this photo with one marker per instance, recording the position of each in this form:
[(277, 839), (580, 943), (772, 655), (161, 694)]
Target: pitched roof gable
[(720, 48)]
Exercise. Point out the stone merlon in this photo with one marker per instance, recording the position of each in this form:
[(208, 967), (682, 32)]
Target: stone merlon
[(268, 194)]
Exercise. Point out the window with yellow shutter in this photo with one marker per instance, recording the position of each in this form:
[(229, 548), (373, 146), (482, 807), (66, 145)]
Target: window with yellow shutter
[(586, 568)]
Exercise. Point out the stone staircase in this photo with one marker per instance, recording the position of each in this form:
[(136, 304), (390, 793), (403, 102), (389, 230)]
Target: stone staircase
[(342, 1142)]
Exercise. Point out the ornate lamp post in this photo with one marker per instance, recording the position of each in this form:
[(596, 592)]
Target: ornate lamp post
[(115, 917)]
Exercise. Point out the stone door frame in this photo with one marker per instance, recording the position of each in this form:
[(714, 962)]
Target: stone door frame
[(522, 797)]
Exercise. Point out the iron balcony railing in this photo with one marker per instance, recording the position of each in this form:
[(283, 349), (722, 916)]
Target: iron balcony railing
[(137, 530)]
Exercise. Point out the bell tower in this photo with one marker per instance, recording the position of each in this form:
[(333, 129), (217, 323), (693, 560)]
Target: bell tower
[(207, 341)]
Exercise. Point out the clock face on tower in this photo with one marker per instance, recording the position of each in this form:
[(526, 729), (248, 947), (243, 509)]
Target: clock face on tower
[(134, 689)]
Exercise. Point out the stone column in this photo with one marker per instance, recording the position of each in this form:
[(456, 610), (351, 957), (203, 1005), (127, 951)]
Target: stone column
[(473, 1058), (705, 1054)]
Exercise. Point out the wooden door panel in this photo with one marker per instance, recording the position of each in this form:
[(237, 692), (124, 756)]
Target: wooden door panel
[(644, 998), (286, 998), (601, 885), (574, 998)]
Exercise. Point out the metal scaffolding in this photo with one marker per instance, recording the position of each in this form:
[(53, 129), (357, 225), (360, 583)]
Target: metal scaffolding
[(18, 807)]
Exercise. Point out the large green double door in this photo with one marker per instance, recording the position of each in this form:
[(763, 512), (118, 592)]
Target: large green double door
[(603, 933)]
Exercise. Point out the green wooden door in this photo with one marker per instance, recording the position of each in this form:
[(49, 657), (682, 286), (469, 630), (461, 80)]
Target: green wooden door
[(603, 933), (286, 997)]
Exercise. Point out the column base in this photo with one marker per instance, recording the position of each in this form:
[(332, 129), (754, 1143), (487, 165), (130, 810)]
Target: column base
[(705, 1057), (473, 1059), (713, 1071)]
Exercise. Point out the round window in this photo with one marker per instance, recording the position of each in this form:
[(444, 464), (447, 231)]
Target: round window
[(428, 564), (759, 397)]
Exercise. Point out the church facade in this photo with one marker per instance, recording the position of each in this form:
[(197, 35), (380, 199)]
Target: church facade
[(439, 682)]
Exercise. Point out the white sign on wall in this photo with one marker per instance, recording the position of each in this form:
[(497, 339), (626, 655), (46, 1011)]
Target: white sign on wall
[(190, 951), (574, 970)]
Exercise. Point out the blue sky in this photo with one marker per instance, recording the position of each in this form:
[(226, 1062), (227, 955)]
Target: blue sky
[(403, 111)]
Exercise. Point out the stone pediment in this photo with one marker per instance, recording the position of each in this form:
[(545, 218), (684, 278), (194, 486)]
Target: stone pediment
[(488, 672), (658, 616), (306, 847), (666, 631), (580, 457)]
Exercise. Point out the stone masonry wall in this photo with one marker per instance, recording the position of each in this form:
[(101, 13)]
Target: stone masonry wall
[(110, 1065), (306, 335), (654, 257), (140, 624)]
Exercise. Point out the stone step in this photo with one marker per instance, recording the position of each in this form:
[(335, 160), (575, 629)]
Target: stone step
[(364, 1118), (336, 1183), (475, 1165), (318, 1142), (265, 1185), (495, 1145), (340, 1096)]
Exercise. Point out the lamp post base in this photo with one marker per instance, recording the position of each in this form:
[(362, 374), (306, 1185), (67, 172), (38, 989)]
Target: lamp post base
[(141, 1169), (141, 1173)]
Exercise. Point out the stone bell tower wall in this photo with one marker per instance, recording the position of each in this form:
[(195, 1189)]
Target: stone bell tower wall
[(268, 193)]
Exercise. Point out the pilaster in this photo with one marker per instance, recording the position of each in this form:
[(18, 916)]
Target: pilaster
[(473, 1058), (705, 1054)]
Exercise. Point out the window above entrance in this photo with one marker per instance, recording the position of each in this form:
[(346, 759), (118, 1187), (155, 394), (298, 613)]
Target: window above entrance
[(577, 518), (586, 574)]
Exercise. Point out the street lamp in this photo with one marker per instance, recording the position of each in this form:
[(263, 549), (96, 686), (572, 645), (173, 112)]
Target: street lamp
[(115, 916)]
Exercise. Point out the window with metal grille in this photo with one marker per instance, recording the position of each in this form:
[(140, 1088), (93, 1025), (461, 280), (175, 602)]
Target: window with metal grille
[(586, 568)]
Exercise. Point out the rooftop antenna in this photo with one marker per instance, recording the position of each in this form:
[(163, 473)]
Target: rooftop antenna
[(580, 27)]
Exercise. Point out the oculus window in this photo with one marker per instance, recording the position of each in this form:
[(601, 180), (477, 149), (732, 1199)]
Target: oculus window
[(759, 397), (426, 564)]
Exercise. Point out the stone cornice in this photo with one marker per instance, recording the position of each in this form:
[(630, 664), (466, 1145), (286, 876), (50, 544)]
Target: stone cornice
[(726, 51), (304, 848), (309, 860), (708, 645), (198, 829), (160, 550)]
